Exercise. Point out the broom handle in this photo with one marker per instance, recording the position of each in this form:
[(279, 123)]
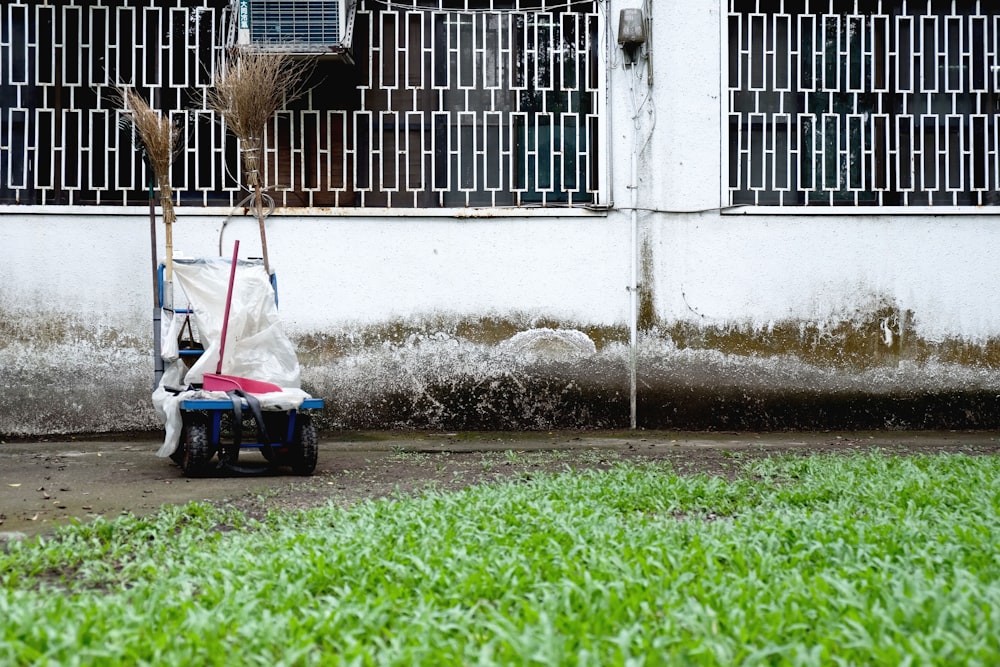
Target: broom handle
[(259, 205), (229, 302), (169, 227)]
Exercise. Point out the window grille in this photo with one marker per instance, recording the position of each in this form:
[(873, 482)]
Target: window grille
[(863, 102), (470, 103)]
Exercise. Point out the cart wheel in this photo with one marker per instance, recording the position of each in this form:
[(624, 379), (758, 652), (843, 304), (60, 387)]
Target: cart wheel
[(306, 450), (197, 452)]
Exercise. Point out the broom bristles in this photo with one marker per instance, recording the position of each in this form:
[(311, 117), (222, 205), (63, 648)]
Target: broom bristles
[(159, 140), (249, 91), (159, 137)]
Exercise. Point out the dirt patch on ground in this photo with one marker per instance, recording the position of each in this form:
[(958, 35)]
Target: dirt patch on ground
[(46, 484)]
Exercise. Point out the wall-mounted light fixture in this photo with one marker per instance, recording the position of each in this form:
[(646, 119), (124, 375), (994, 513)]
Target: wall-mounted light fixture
[(631, 32)]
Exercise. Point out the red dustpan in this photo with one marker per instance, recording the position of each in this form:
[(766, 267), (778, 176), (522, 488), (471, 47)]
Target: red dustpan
[(219, 382)]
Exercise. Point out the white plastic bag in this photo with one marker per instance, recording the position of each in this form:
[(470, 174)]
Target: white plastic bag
[(170, 330), (256, 344)]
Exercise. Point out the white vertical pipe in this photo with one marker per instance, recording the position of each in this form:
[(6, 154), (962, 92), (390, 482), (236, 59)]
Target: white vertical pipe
[(634, 286), (634, 257)]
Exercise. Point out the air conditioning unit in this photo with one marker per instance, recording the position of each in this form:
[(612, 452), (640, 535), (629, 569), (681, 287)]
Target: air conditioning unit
[(301, 27)]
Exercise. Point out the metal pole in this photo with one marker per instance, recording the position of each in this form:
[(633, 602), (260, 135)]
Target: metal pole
[(634, 259), (634, 299)]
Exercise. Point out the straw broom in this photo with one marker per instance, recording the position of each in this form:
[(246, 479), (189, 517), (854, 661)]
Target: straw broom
[(158, 139), (246, 94)]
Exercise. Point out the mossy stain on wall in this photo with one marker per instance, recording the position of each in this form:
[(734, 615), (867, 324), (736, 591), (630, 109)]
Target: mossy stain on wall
[(872, 338)]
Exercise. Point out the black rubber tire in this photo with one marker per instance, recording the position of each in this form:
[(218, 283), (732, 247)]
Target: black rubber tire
[(305, 451), (197, 450)]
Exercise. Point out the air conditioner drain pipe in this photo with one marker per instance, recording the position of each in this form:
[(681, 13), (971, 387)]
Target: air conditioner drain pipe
[(633, 26), (634, 299), (631, 47)]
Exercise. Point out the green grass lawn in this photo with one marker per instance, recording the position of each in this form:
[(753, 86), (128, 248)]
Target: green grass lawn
[(821, 560)]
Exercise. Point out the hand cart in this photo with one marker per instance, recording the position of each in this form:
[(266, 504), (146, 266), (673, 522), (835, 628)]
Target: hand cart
[(211, 438)]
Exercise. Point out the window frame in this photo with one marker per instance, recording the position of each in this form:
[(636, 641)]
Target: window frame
[(728, 207), (202, 182)]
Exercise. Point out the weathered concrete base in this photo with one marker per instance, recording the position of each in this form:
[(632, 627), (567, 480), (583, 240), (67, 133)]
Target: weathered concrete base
[(537, 378), (74, 388), (700, 390)]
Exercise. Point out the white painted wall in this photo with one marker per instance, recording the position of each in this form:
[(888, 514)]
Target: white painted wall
[(340, 272), (758, 269), (332, 271)]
